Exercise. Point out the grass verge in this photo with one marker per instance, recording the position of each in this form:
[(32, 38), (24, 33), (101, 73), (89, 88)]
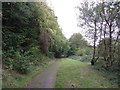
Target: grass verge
[(77, 74), (12, 79), (0, 78)]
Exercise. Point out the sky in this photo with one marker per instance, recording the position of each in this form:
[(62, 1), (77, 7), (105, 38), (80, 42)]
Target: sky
[(67, 16), (66, 13)]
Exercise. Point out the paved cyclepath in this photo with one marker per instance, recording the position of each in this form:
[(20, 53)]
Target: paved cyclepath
[(45, 79)]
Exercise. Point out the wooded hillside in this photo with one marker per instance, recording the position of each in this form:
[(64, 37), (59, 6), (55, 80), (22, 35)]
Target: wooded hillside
[(30, 29)]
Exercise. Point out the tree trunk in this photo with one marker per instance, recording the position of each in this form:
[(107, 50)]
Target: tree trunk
[(94, 50), (105, 48), (110, 47)]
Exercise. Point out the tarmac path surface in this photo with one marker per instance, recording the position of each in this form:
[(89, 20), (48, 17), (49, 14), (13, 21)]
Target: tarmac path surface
[(45, 79)]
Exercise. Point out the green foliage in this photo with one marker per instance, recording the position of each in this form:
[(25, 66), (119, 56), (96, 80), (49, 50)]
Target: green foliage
[(111, 73), (86, 58), (9, 63), (12, 79), (75, 57), (72, 50), (23, 63), (78, 40), (102, 21), (35, 34), (78, 45)]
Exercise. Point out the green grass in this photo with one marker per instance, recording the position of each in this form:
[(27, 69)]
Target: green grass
[(16, 80), (76, 74), (0, 78)]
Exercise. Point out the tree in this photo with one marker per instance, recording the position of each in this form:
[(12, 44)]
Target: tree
[(111, 10), (102, 20), (78, 40), (77, 43), (89, 17)]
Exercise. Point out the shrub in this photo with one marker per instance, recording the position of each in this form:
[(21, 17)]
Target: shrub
[(50, 54), (24, 66), (23, 63), (75, 57), (9, 63), (86, 58)]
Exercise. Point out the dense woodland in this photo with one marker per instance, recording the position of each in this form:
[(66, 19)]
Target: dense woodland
[(32, 35), (29, 30)]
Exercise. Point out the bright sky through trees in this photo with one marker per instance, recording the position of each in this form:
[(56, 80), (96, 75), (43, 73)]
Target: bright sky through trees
[(66, 13)]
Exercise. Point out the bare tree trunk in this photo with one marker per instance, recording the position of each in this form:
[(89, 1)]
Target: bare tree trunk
[(94, 50), (99, 49), (110, 47), (105, 48)]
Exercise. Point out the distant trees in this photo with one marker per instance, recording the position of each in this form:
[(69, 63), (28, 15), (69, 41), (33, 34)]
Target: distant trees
[(102, 20), (78, 40), (78, 45)]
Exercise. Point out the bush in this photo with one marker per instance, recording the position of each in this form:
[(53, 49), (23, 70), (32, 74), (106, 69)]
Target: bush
[(50, 54), (75, 57), (111, 73), (9, 63), (24, 66), (86, 58), (83, 51), (23, 63)]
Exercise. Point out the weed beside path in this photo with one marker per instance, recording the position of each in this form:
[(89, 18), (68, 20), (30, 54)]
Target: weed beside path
[(17, 80)]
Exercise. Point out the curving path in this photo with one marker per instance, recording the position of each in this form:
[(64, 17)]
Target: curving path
[(45, 79)]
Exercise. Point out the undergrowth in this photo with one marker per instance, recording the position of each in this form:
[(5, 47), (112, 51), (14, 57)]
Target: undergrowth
[(111, 73), (15, 79)]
